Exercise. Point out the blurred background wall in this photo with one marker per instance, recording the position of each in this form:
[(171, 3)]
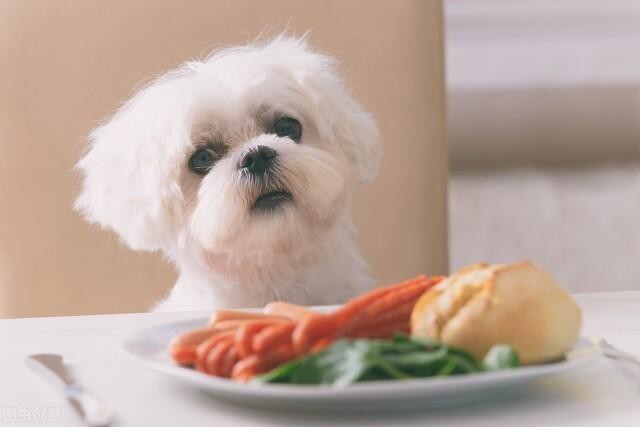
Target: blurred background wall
[(544, 133)]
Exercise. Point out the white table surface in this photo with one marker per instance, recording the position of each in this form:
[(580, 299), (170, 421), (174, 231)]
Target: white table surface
[(602, 394)]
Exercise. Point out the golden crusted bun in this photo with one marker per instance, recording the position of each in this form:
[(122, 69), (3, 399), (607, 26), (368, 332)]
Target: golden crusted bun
[(482, 305)]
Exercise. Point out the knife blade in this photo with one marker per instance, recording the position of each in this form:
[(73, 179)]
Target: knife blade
[(91, 409)]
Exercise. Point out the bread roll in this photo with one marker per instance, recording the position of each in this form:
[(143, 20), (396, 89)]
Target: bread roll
[(482, 305)]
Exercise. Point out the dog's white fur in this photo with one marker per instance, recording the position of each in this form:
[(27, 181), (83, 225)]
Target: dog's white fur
[(137, 183)]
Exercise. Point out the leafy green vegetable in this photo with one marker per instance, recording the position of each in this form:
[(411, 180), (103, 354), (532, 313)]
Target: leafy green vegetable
[(349, 361), (501, 357)]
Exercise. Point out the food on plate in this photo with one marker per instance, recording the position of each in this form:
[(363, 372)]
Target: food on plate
[(183, 347), (376, 314), (257, 343), (288, 310), (484, 317), (234, 315), (403, 357), (483, 305)]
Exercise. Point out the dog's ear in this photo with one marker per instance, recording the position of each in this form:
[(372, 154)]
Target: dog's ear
[(345, 120), (358, 135), (132, 169)]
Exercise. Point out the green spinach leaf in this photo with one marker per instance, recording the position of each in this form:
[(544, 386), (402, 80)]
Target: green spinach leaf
[(403, 357)]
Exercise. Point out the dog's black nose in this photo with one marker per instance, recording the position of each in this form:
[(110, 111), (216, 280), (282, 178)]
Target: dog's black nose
[(257, 160)]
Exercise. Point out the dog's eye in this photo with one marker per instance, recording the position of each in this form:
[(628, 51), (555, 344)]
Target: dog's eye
[(202, 160), (288, 127)]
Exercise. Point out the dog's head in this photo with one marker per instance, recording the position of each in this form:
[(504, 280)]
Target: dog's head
[(249, 153)]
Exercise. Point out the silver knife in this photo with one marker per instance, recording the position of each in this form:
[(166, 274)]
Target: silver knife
[(92, 411)]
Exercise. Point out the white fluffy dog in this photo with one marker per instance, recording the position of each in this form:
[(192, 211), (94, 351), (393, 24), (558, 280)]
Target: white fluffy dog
[(241, 169)]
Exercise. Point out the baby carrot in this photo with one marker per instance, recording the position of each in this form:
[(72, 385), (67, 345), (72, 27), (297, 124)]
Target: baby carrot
[(273, 336), (245, 334), (183, 347), (288, 310), (213, 360), (229, 360), (222, 315), (203, 349), (308, 331)]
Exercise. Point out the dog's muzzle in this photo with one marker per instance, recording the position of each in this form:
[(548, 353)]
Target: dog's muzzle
[(259, 162)]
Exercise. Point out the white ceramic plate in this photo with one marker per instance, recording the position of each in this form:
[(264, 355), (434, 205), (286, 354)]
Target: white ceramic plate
[(150, 346)]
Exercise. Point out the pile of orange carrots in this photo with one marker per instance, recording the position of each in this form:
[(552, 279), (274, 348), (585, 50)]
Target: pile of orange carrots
[(240, 345)]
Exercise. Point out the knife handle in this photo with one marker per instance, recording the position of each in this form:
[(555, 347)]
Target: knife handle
[(90, 408)]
